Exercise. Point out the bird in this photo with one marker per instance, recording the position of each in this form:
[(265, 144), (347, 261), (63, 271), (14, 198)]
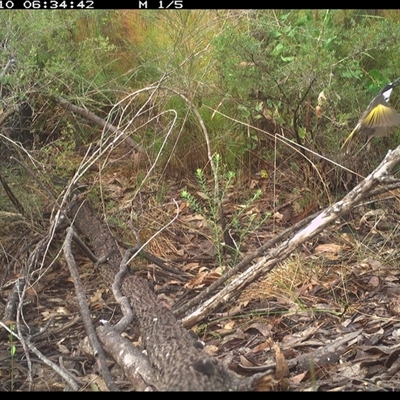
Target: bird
[(377, 119)]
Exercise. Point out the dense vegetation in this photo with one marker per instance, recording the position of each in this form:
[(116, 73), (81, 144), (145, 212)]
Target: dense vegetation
[(242, 69)]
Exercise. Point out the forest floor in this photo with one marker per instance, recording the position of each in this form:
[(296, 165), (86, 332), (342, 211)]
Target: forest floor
[(326, 319)]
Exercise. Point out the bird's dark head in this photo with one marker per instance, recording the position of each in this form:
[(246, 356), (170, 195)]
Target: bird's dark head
[(387, 90), (391, 85)]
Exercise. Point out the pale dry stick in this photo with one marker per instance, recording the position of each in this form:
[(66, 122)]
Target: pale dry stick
[(106, 143), (85, 313), (175, 144), (239, 267), (10, 62), (159, 152), (322, 30), (318, 224), (66, 376), (20, 316), (107, 127)]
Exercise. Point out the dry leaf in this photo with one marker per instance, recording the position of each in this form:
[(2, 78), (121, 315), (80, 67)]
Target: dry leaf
[(327, 248), (211, 349), (245, 362), (202, 195), (282, 368), (229, 326), (261, 328), (374, 281), (298, 378), (261, 347), (278, 216)]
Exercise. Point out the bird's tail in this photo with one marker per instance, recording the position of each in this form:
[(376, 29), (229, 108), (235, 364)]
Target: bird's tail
[(345, 149)]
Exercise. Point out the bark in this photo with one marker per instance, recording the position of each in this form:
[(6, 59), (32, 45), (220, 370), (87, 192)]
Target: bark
[(176, 359)]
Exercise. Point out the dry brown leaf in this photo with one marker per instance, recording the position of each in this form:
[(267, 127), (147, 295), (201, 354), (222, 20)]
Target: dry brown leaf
[(278, 216), (375, 265), (190, 266), (211, 349), (282, 368), (203, 277), (182, 206), (253, 183), (180, 252), (374, 281), (202, 195), (190, 217), (62, 348), (245, 362), (211, 278), (96, 299), (96, 383), (295, 380), (328, 250), (229, 326), (261, 347), (265, 330)]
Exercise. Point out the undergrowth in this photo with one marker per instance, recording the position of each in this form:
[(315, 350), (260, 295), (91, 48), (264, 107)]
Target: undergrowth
[(228, 233)]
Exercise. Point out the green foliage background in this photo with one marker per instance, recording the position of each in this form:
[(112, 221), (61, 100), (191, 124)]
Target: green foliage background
[(250, 73)]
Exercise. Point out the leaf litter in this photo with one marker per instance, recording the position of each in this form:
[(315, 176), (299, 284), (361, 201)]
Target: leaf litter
[(323, 320)]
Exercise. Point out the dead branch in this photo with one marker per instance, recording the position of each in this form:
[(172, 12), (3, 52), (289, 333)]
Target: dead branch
[(96, 120), (380, 175), (240, 266), (84, 310), (66, 376), (11, 196), (325, 355), (131, 359)]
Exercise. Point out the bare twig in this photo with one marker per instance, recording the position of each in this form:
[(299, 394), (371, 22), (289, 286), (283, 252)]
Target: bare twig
[(11, 196), (70, 381), (84, 310), (95, 119), (9, 64), (157, 233), (122, 300)]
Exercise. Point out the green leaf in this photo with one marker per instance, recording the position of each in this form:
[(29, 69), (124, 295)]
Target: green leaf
[(302, 20), (277, 51), (274, 34), (287, 59), (302, 132), (284, 17)]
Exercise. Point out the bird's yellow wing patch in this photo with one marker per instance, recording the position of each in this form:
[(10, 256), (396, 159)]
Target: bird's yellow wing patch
[(381, 116)]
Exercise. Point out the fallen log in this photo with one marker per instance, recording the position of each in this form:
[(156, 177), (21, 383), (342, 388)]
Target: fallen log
[(177, 361)]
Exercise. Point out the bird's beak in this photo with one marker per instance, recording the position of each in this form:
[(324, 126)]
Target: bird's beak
[(396, 82)]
